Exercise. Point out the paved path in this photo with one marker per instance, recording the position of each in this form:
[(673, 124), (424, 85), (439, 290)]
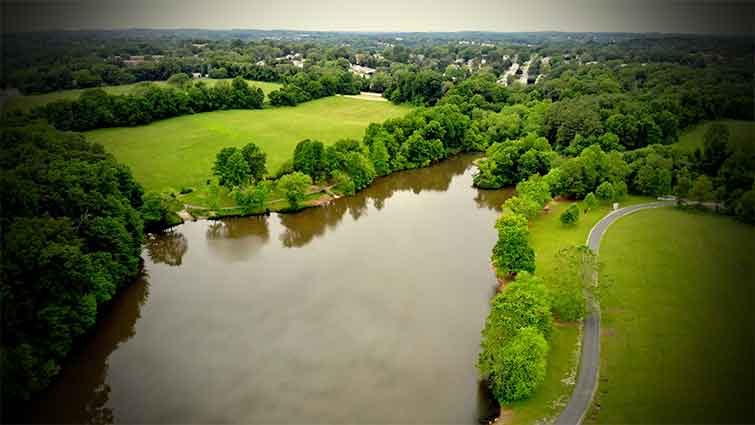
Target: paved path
[(589, 362)]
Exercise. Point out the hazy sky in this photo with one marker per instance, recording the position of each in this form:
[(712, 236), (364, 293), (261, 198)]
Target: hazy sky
[(702, 16)]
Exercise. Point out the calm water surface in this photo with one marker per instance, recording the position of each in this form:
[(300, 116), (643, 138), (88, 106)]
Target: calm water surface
[(368, 310)]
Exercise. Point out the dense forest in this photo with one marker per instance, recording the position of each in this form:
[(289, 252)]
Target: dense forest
[(596, 119)]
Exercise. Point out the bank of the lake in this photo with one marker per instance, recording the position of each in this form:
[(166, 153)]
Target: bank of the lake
[(369, 307)]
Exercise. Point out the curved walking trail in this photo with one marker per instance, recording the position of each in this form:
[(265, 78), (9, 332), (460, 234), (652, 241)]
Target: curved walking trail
[(589, 362)]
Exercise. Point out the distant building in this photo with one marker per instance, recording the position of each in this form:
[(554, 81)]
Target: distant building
[(362, 71), (196, 75)]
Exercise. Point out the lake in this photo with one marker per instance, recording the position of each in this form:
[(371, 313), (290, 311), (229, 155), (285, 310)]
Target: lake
[(367, 310)]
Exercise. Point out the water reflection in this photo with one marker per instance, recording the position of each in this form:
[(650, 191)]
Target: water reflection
[(493, 199), (167, 247), (302, 228), (237, 239), (87, 401)]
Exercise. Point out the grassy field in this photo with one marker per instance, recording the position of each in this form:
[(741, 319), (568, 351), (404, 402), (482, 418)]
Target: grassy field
[(547, 237), (678, 322), (742, 133), (179, 152), (29, 102)]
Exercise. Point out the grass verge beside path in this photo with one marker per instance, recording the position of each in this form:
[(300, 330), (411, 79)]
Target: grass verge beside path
[(678, 321), (26, 103), (179, 152), (547, 236)]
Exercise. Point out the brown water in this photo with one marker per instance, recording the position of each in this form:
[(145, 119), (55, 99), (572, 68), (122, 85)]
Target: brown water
[(368, 310)]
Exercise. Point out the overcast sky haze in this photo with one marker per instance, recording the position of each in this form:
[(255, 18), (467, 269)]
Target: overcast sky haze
[(684, 16)]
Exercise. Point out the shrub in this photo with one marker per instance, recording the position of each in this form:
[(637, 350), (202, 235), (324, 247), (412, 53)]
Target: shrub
[(571, 215)]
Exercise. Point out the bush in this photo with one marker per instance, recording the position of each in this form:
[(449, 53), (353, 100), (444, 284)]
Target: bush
[(571, 215), (157, 212)]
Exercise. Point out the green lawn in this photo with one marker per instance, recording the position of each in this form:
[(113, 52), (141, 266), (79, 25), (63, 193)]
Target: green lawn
[(29, 102), (179, 152), (742, 133), (547, 237), (678, 322)]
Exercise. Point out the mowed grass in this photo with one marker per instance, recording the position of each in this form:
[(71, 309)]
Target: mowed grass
[(547, 236), (25, 103), (179, 152), (678, 322), (742, 133)]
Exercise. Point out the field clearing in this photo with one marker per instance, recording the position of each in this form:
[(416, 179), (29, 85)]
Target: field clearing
[(678, 322), (179, 152), (26, 103), (742, 134), (547, 236)]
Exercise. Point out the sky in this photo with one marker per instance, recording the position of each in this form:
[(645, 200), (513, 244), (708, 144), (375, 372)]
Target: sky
[(680, 16)]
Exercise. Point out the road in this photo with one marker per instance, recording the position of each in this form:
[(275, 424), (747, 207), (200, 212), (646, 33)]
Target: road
[(589, 362)]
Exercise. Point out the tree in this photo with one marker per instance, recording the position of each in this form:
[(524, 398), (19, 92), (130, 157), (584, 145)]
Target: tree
[(702, 190), (683, 183), (72, 237), (605, 191), (179, 80), (571, 215), (380, 158), (156, 212), (715, 148), (520, 366), (569, 282), (236, 169), (253, 198), (745, 208), (512, 253), (309, 158), (294, 186), (255, 159), (520, 313), (590, 202), (523, 205)]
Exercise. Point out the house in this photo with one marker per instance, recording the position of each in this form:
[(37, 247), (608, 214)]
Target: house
[(196, 75), (362, 71)]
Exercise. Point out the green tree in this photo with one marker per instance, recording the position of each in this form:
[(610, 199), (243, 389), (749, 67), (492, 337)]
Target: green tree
[(702, 190), (512, 252), (253, 198), (570, 281), (294, 186), (745, 208), (236, 169), (605, 191), (180, 80), (380, 158), (571, 215), (523, 205), (157, 213), (590, 202), (309, 158), (255, 159), (519, 367)]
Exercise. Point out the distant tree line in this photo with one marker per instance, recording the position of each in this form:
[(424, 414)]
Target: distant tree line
[(97, 109)]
